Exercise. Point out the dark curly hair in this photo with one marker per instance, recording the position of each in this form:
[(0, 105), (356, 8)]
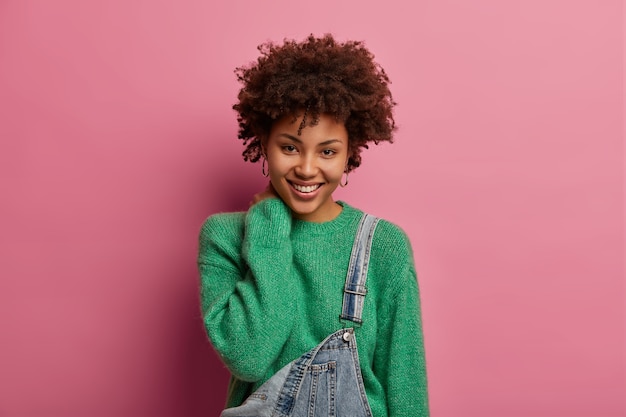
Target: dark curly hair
[(317, 76)]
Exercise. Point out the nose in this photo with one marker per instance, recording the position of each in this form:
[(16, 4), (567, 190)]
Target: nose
[(306, 167)]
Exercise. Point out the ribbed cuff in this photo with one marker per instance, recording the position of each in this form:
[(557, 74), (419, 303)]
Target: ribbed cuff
[(268, 223)]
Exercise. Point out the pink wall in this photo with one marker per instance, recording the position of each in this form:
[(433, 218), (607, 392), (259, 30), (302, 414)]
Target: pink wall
[(117, 139)]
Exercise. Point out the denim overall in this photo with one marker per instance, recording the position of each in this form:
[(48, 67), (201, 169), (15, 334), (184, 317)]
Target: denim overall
[(326, 381)]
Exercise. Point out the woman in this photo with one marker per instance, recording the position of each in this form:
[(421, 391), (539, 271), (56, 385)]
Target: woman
[(289, 287)]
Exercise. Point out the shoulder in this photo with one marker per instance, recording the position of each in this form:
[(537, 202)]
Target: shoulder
[(222, 232), (391, 258), (221, 224), (390, 241)]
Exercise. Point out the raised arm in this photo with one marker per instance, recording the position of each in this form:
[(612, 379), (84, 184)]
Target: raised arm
[(246, 283)]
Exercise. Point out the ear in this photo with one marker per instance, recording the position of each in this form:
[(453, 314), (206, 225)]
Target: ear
[(263, 145), (346, 168)]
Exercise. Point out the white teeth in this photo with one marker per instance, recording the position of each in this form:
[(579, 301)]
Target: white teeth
[(306, 188)]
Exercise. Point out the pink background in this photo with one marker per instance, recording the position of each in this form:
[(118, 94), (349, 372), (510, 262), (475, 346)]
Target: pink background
[(117, 139)]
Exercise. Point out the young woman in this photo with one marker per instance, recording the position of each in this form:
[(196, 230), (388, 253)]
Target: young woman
[(312, 304)]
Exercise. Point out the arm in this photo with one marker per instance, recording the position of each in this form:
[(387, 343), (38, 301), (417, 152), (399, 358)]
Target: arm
[(399, 357), (247, 308)]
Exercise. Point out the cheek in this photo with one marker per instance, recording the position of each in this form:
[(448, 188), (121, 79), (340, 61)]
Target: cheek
[(277, 167), (335, 172), (278, 170)]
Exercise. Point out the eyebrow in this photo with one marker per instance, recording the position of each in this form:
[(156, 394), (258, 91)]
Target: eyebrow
[(295, 139)]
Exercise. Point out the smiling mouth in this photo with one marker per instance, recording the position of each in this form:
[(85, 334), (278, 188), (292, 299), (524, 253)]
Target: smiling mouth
[(306, 188)]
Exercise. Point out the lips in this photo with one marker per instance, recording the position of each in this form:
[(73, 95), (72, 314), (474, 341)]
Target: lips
[(306, 189)]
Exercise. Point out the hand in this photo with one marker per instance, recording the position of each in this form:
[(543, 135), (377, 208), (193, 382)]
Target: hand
[(269, 192)]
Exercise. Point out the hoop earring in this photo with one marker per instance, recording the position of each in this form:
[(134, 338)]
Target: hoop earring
[(263, 164), (343, 184)]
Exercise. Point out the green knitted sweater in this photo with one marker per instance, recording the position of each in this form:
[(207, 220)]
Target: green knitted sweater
[(272, 289)]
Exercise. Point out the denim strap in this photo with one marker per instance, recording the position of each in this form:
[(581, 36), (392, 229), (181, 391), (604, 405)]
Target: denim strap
[(354, 290)]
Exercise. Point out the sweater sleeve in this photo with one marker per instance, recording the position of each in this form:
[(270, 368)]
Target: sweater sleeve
[(247, 309), (399, 357)]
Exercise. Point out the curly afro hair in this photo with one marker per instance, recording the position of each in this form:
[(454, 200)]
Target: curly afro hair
[(317, 76)]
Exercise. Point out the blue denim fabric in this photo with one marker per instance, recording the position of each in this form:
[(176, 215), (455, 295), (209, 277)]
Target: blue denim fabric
[(326, 381), (354, 291)]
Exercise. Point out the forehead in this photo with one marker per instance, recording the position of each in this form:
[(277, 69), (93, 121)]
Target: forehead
[(326, 128)]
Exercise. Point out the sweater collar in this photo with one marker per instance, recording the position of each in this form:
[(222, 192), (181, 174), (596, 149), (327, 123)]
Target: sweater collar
[(347, 216)]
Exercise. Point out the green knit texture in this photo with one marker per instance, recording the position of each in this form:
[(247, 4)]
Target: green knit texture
[(272, 289)]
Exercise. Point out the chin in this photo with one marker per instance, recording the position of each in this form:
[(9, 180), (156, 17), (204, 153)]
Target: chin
[(302, 211)]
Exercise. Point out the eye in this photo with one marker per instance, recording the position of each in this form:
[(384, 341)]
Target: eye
[(328, 152), (289, 148)]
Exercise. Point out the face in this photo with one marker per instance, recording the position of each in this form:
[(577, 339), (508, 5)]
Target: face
[(305, 169)]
